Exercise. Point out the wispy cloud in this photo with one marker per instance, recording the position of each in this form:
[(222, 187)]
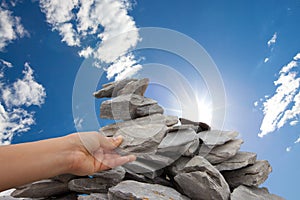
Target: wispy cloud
[(10, 27), (78, 122), (284, 105), (14, 102), (272, 41), (288, 149), (106, 21), (266, 60)]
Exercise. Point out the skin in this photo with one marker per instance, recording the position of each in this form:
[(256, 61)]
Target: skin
[(80, 153)]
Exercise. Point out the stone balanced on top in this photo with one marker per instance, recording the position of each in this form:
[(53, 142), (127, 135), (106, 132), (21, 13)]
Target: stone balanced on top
[(177, 158)]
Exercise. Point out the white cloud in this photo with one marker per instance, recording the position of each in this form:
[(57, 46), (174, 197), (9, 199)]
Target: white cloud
[(25, 91), (13, 116), (105, 21), (297, 141), (297, 57), (10, 28), (294, 123), (5, 63), (266, 60), (284, 105), (255, 103), (272, 40), (288, 149)]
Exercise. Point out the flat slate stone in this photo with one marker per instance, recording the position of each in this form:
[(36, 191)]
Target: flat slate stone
[(123, 107), (135, 87), (64, 177), (200, 125), (240, 160), (89, 185), (40, 189), (253, 193), (111, 129), (252, 175), (217, 137), (223, 152), (200, 180), (112, 176), (94, 196), (148, 110), (112, 89), (141, 139), (176, 167), (137, 190)]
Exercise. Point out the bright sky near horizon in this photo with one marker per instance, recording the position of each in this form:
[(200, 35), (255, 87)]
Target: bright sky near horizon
[(255, 45)]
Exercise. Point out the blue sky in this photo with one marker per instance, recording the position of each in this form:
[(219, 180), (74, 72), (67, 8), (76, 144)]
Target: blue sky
[(254, 45)]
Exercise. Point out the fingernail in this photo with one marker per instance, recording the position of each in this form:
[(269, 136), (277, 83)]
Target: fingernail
[(117, 138), (131, 158)]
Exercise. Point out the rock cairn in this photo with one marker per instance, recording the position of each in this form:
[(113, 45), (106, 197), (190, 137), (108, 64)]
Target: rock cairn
[(177, 159)]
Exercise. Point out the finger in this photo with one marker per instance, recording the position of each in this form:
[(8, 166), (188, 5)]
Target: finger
[(116, 141), (119, 161)]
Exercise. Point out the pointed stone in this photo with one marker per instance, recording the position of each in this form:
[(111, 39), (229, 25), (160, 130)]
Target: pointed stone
[(123, 107), (200, 125), (135, 87), (112, 89), (217, 137), (223, 152), (200, 180), (253, 193), (240, 160), (252, 175), (136, 190)]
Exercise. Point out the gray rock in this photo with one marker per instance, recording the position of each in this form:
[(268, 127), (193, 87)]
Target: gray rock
[(39, 189), (136, 190), (111, 129), (135, 87), (177, 166), (94, 196), (70, 196), (149, 110), (240, 160), (181, 142), (112, 89), (89, 185), (223, 152), (253, 193), (200, 180), (217, 137), (200, 125), (123, 107), (141, 139), (112, 176), (253, 175), (182, 127), (145, 168), (64, 177)]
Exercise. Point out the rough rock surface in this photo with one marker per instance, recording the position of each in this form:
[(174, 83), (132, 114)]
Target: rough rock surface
[(39, 189), (94, 196), (136, 190), (124, 107), (217, 137), (200, 180), (111, 129), (240, 160), (223, 152), (200, 125), (252, 175), (148, 110), (253, 193)]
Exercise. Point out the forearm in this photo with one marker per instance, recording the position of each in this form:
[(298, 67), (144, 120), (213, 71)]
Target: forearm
[(28, 162)]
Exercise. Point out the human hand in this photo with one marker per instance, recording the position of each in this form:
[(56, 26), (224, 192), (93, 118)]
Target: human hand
[(93, 152)]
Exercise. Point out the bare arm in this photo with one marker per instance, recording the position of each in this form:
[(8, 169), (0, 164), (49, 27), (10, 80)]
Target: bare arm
[(80, 154)]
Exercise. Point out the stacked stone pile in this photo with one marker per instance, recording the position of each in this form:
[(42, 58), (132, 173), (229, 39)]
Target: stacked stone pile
[(177, 159)]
